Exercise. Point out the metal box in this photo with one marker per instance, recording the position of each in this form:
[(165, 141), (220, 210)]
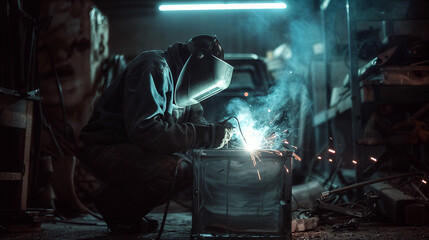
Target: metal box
[(240, 197)]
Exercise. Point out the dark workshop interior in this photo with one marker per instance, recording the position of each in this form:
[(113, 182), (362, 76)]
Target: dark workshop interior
[(214, 119)]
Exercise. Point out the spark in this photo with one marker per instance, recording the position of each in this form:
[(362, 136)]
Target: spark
[(354, 161), (271, 137), (330, 138), (424, 181), (296, 157), (259, 175), (258, 157), (278, 114), (255, 155), (287, 170), (286, 141), (294, 146), (373, 159), (253, 158), (284, 131), (272, 152), (331, 150), (330, 160), (319, 157)]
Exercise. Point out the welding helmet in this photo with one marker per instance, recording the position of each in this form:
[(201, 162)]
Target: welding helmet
[(204, 73)]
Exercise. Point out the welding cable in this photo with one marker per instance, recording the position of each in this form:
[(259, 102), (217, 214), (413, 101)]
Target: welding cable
[(361, 184), (51, 132), (24, 13), (239, 127), (60, 95), (161, 229)]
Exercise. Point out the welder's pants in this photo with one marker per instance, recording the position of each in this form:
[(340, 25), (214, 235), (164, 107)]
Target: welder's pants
[(136, 180)]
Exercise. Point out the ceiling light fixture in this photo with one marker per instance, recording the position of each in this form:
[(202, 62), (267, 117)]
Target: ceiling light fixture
[(221, 6)]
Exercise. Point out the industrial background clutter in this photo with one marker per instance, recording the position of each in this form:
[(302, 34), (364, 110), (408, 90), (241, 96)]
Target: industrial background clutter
[(321, 131)]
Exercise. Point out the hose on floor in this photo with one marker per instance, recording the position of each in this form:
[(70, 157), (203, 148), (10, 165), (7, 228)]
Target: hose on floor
[(161, 229)]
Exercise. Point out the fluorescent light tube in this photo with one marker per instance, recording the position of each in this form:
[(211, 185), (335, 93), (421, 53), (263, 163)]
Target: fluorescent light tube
[(221, 6)]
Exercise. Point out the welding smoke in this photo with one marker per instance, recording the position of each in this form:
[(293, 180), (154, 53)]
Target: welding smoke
[(267, 120), (284, 112)]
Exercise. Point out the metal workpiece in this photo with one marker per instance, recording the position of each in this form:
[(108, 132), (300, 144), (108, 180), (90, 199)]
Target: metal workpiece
[(239, 194)]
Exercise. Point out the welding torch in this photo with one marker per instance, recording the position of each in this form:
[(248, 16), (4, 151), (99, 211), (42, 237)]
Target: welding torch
[(224, 122)]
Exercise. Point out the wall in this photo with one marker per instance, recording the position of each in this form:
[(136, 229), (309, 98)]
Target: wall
[(238, 31)]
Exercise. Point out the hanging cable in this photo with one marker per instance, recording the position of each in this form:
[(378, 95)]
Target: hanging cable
[(239, 127), (60, 95)]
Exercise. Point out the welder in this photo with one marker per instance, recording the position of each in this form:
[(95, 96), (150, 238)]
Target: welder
[(142, 125)]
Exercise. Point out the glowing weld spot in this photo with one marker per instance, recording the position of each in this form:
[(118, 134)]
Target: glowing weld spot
[(373, 159), (246, 94), (331, 150), (424, 181), (330, 160), (319, 157), (354, 161)]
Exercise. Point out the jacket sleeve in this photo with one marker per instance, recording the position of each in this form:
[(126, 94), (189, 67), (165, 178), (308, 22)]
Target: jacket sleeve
[(146, 97)]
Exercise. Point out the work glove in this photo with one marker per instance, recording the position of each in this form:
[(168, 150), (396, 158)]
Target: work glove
[(214, 135)]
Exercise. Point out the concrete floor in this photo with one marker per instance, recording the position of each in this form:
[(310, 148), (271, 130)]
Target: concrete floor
[(178, 226)]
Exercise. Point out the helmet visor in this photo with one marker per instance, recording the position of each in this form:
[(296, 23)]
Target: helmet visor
[(202, 76)]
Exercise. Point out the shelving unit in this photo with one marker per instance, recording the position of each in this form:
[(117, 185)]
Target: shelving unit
[(16, 119), (343, 123), (16, 122)]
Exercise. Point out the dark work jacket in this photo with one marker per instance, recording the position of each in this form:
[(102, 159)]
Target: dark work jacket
[(138, 107)]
